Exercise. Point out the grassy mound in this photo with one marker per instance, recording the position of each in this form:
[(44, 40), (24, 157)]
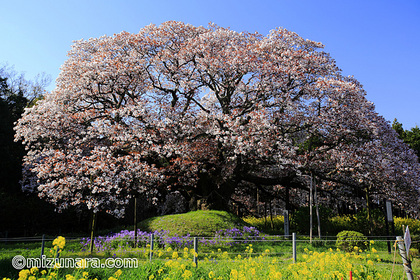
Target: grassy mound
[(196, 223)]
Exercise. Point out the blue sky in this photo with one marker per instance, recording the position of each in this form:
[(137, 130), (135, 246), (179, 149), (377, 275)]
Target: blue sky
[(375, 41)]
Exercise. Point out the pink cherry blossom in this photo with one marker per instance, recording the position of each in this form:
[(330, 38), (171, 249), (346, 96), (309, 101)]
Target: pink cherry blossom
[(207, 111)]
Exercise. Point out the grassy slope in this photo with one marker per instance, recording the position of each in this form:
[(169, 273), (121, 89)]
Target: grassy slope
[(196, 223)]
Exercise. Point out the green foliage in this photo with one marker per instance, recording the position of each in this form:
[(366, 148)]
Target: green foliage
[(299, 220), (331, 225), (349, 240), (311, 143), (195, 223), (413, 225), (410, 137), (340, 223), (398, 127), (266, 225), (360, 222)]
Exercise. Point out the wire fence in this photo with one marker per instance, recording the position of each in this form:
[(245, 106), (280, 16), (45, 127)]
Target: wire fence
[(279, 245), (280, 249)]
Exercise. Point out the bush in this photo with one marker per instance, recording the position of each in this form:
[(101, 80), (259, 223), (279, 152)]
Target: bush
[(264, 224), (413, 225), (348, 240), (359, 222)]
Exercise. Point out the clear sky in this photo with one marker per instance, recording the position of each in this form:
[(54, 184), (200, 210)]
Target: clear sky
[(376, 41)]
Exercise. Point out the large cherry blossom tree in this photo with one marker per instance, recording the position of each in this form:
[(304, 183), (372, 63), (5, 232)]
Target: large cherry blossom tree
[(205, 111)]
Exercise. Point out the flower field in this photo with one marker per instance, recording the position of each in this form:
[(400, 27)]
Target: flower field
[(332, 264), (125, 239), (232, 254)]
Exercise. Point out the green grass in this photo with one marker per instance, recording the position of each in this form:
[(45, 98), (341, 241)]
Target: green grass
[(196, 223), (220, 259)]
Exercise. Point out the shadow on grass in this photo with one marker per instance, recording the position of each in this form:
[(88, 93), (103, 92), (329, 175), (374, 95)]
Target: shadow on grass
[(7, 270)]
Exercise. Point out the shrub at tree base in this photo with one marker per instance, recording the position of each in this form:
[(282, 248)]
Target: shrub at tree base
[(269, 225), (348, 240), (413, 225)]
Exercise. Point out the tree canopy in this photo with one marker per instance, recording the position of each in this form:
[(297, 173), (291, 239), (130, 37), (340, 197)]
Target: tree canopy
[(207, 111)]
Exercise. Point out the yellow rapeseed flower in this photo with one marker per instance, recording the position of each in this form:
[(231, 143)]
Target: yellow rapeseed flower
[(225, 255), (234, 274), (81, 264), (70, 277), (23, 274), (59, 242), (57, 266), (118, 273), (187, 274), (34, 270)]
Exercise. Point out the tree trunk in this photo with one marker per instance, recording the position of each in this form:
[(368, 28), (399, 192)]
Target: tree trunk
[(135, 221), (265, 214), (310, 209), (258, 202), (210, 195), (369, 213), (287, 198), (318, 218), (271, 216), (92, 231)]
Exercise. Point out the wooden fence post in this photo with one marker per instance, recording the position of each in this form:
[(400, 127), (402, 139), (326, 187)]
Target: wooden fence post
[(405, 260)]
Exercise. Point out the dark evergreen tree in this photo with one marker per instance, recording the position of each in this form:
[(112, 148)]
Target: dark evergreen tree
[(12, 105), (410, 137)]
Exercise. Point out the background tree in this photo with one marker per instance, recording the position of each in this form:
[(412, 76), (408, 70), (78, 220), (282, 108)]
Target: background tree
[(16, 93), (410, 137)]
